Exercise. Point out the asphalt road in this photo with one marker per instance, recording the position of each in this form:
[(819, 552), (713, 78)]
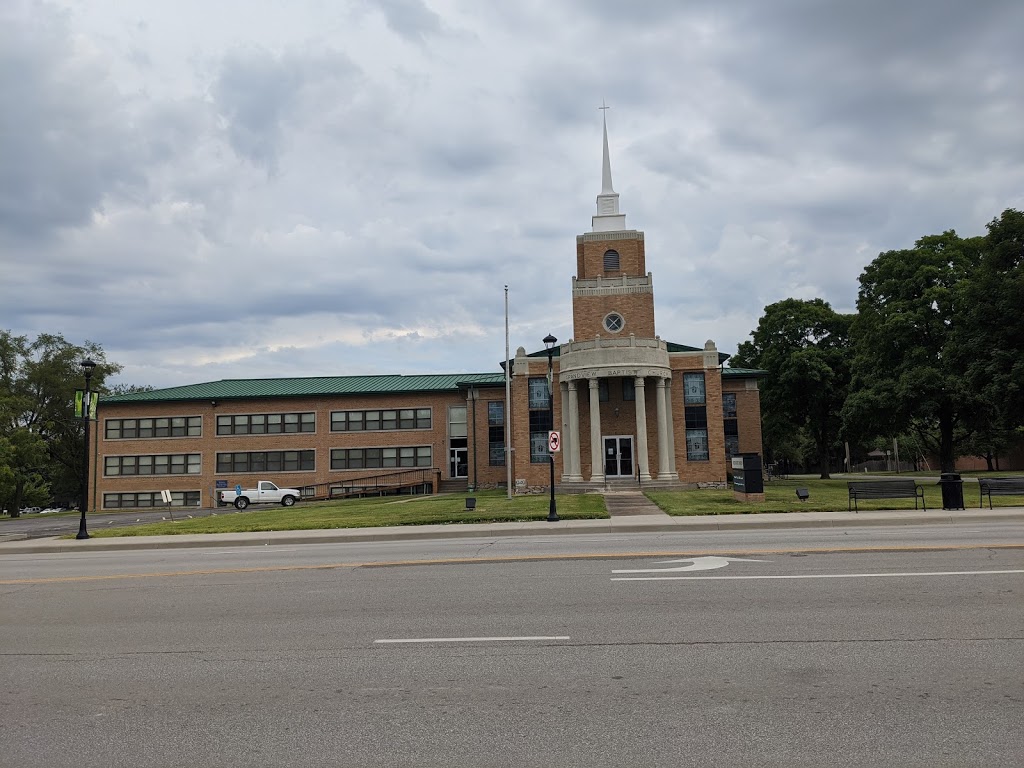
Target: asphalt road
[(492, 655), (34, 526)]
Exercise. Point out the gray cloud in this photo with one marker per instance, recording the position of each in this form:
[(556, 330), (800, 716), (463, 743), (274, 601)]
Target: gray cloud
[(65, 135), (411, 19), (308, 193)]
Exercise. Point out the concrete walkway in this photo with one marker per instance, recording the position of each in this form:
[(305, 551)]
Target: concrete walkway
[(630, 504), (641, 523)]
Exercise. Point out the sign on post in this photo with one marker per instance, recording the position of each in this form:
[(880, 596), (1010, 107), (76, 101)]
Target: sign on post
[(554, 442), (166, 496)]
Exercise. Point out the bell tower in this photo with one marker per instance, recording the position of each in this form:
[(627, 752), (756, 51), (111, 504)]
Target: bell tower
[(612, 293)]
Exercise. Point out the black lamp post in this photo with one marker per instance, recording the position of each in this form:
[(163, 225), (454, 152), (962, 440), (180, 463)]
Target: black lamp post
[(549, 343), (87, 366)]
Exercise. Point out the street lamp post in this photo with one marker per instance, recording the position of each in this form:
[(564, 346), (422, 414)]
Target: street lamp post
[(549, 343), (87, 366)]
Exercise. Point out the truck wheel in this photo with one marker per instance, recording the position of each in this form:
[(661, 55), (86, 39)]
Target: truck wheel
[(241, 502), (288, 501)]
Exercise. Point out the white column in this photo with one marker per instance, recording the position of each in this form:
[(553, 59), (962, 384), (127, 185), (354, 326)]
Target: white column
[(666, 459), (641, 429), (563, 425), (674, 474), (573, 471), (596, 453)]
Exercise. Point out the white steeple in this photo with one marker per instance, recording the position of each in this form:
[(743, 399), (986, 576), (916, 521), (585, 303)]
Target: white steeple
[(608, 218)]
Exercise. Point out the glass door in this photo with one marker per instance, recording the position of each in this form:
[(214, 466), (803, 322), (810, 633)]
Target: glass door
[(618, 456), (458, 459)]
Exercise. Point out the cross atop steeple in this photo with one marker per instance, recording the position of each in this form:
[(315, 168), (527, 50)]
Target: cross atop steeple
[(608, 218)]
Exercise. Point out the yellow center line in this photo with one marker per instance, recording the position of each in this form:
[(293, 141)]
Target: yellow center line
[(513, 559)]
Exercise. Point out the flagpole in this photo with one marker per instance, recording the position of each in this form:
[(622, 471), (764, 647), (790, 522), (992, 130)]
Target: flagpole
[(508, 407)]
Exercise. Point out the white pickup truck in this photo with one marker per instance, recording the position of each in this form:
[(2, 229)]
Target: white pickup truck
[(265, 492)]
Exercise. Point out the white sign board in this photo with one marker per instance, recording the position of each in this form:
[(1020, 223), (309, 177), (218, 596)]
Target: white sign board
[(554, 442)]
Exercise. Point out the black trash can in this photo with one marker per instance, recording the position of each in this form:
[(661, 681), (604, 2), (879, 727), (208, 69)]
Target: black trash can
[(952, 490)]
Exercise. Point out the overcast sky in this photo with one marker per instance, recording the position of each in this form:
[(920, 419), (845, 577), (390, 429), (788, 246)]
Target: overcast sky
[(260, 188)]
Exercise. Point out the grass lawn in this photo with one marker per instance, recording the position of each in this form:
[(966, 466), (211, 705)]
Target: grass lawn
[(825, 496), (491, 507)]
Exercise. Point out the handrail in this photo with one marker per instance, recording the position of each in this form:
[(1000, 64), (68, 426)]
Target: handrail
[(370, 484)]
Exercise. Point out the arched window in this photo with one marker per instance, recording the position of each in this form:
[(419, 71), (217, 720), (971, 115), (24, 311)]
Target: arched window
[(611, 261)]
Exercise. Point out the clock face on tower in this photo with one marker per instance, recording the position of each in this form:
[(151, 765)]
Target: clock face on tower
[(613, 322)]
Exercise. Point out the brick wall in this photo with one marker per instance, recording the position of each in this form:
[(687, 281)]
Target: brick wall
[(590, 256), (637, 309), (748, 413), (714, 469), (321, 441)]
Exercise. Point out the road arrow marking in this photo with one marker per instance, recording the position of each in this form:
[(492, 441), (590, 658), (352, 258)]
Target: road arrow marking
[(816, 576), (707, 563)]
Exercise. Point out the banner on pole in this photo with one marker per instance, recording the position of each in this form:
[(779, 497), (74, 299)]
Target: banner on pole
[(79, 400)]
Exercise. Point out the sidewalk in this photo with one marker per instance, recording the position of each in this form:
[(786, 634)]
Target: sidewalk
[(630, 524)]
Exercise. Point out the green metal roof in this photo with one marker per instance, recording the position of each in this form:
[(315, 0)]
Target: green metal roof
[(234, 389), (740, 373)]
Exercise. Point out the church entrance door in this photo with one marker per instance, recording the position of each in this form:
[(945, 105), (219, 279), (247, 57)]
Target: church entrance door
[(618, 456)]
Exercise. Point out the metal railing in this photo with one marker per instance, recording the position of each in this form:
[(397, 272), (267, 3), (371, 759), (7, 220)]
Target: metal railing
[(381, 484)]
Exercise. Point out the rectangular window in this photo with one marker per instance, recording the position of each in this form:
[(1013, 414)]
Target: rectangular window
[(381, 458), (131, 429), (540, 425), (144, 499), (732, 444), (372, 421), (729, 405), (693, 388), (163, 464), (412, 456), (540, 420), (628, 389), (265, 423), (731, 424), (696, 433), (457, 421), (696, 445), (266, 461), (496, 434), (540, 393), (602, 390)]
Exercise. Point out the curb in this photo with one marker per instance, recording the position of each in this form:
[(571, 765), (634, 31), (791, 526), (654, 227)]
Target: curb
[(632, 524)]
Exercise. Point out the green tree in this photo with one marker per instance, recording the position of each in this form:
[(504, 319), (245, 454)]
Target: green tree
[(991, 343), (905, 371), (804, 346), (38, 380)]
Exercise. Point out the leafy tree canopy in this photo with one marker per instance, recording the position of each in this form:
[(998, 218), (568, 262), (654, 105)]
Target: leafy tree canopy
[(42, 449), (804, 347), (910, 307)]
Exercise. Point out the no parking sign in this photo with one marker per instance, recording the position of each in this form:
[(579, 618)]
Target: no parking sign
[(554, 442)]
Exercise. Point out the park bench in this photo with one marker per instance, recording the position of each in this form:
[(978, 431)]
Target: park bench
[(885, 489), (1000, 486)]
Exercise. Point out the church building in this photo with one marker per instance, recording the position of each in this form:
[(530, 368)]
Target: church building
[(628, 407)]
